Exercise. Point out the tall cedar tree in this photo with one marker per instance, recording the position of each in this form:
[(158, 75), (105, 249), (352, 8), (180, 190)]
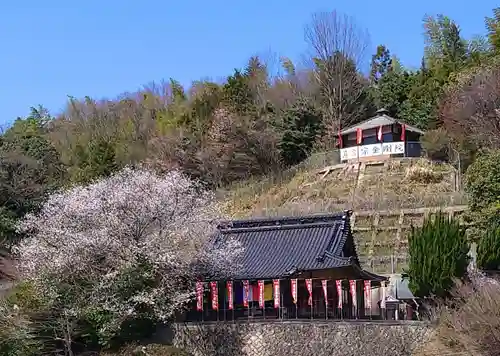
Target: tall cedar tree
[(438, 255)]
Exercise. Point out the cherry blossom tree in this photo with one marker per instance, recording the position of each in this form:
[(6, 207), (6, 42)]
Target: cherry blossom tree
[(131, 242)]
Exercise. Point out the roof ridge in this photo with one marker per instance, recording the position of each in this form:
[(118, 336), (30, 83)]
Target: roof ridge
[(282, 221), (232, 230)]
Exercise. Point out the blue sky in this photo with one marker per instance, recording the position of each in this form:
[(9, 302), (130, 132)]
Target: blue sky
[(54, 48)]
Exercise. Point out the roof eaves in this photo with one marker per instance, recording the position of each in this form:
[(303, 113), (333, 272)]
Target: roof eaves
[(338, 240), (369, 275), (390, 120)]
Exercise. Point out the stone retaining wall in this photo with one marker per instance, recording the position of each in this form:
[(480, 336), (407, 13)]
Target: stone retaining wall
[(315, 338)]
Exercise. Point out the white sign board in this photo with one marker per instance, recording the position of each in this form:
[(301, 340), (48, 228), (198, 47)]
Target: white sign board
[(393, 148), (370, 150), (377, 149), (348, 153)]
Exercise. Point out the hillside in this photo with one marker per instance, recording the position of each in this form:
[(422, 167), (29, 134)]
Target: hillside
[(386, 198)]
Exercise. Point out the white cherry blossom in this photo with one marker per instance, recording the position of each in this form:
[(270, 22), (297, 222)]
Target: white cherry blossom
[(131, 240)]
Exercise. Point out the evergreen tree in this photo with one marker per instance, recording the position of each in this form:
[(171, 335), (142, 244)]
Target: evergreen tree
[(488, 249), (381, 64), (301, 126), (438, 255), (238, 95), (493, 28)]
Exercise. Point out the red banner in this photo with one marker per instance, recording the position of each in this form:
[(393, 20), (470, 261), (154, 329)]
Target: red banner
[(368, 294), (352, 285), (294, 290), (215, 295), (403, 132), (276, 292), (339, 293), (199, 296), (261, 294), (309, 286), (359, 136), (324, 284), (246, 293), (229, 287)]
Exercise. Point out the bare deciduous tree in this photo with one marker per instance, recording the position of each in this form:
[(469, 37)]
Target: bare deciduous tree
[(337, 48), (470, 109)]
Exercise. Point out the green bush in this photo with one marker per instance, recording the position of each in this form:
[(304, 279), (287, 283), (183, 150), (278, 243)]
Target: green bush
[(438, 255), (488, 249), (483, 187)]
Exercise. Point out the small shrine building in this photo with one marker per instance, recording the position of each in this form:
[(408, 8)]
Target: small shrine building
[(379, 138)]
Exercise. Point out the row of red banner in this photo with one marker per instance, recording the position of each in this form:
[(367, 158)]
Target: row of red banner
[(214, 292), (359, 135)]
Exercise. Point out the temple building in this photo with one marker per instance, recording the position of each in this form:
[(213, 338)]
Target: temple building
[(292, 267), (379, 138)]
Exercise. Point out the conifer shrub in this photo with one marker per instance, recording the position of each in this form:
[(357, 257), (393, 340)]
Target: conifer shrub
[(488, 249), (438, 256)]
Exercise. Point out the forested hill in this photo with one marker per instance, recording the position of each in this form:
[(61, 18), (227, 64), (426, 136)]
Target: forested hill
[(260, 121)]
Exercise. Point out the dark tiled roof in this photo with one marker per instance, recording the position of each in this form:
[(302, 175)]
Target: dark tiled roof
[(275, 248)]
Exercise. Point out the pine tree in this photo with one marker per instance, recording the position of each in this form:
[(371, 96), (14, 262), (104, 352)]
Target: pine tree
[(438, 255)]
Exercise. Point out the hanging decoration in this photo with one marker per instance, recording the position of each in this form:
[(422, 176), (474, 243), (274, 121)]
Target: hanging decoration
[(215, 295), (368, 295), (261, 294), (294, 290), (246, 293), (324, 284), (276, 293), (359, 136), (309, 289), (352, 284), (338, 284), (199, 296), (230, 301), (403, 132)]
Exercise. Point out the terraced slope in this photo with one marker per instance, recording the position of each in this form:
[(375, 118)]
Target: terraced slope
[(386, 198)]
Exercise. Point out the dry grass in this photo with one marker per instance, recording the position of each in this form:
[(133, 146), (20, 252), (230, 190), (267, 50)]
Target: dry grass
[(473, 327), (468, 324), (399, 185)]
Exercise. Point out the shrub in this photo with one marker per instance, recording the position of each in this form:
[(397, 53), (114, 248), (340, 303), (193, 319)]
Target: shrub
[(424, 173), (436, 144), (483, 187), (488, 249), (438, 255)]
